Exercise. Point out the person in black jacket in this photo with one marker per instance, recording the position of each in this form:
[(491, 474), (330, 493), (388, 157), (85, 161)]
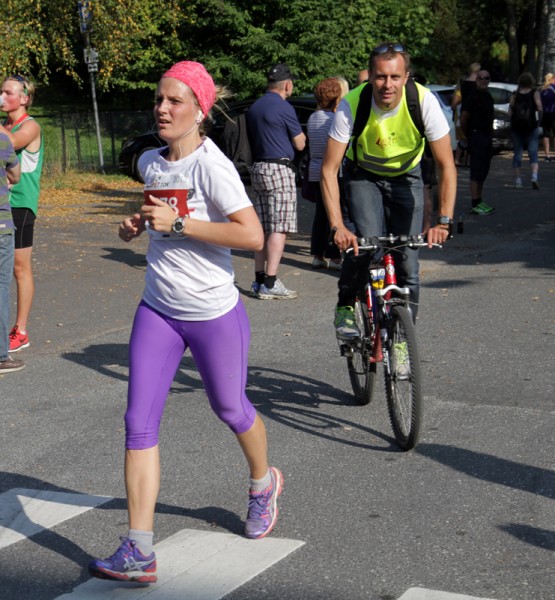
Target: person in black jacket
[(477, 125)]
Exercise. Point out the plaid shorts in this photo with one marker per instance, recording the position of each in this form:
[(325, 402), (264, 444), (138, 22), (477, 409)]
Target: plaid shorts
[(275, 197)]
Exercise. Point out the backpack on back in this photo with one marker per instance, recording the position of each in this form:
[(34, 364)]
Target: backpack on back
[(234, 143), (523, 113)]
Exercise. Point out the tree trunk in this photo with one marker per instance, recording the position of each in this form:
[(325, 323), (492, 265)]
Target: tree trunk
[(512, 41), (549, 60), (529, 18)]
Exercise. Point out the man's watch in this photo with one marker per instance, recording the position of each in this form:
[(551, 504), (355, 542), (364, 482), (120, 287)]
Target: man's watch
[(443, 220), (178, 226)]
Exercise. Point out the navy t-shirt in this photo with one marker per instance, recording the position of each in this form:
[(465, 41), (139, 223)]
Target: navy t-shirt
[(272, 123)]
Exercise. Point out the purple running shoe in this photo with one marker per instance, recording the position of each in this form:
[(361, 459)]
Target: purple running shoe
[(126, 564), (263, 511)]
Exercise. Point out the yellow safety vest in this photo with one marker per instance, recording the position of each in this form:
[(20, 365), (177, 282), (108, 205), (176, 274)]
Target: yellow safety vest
[(390, 146)]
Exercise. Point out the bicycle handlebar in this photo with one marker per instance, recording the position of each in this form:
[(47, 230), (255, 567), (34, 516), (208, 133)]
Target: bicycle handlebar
[(392, 241)]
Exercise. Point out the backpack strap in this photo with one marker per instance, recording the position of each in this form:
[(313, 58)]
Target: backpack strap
[(413, 103), (361, 117), (365, 105)]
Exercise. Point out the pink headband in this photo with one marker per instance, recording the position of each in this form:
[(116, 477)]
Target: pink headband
[(197, 78)]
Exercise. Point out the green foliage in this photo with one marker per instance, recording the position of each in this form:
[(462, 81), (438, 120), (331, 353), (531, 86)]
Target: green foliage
[(239, 40)]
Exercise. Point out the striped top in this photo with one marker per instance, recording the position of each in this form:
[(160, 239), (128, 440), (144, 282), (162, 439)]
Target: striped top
[(318, 126)]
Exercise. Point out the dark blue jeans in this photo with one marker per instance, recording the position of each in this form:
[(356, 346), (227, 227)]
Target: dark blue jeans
[(380, 205), (320, 240)]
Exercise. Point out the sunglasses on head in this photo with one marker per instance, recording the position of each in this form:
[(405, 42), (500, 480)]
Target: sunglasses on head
[(22, 80), (383, 48)]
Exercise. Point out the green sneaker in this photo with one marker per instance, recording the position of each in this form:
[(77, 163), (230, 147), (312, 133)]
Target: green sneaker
[(401, 363), (345, 324), (482, 209)]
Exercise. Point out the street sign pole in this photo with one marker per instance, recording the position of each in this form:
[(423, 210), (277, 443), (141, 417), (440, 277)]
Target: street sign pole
[(91, 59)]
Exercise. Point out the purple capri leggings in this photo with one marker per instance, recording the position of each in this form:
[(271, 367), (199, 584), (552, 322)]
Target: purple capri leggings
[(220, 350)]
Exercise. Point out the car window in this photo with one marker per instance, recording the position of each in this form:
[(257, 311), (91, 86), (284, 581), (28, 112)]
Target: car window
[(303, 114), (445, 97), (499, 95)]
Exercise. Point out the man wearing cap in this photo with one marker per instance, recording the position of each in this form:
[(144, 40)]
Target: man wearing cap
[(274, 135)]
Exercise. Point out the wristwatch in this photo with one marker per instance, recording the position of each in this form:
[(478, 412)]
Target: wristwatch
[(178, 226), (443, 220)]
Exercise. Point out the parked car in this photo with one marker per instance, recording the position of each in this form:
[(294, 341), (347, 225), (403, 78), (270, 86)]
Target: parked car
[(444, 93), (134, 147), (501, 93)]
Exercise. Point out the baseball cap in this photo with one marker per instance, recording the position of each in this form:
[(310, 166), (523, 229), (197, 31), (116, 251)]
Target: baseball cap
[(280, 72)]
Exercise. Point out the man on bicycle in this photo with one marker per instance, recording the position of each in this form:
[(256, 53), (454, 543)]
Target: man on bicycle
[(383, 184)]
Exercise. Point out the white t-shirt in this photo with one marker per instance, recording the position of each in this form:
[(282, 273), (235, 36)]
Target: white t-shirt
[(188, 279), (435, 123)]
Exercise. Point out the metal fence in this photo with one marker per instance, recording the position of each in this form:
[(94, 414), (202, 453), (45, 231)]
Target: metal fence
[(71, 142)]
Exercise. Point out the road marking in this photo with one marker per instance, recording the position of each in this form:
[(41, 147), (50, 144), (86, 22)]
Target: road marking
[(423, 594), (197, 565), (25, 512)]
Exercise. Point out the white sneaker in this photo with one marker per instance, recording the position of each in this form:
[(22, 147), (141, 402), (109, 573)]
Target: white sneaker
[(318, 263), (278, 292)]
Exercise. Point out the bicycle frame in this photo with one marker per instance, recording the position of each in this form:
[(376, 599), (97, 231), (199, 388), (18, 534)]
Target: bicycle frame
[(387, 335)]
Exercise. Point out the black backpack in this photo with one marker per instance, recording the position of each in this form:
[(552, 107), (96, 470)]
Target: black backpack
[(523, 113), (365, 106), (234, 143)]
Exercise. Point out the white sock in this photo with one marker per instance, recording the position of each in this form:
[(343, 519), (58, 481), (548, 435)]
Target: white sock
[(259, 485), (144, 540)]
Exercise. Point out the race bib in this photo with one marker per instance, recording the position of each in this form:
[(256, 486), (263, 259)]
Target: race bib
[(174, 193)]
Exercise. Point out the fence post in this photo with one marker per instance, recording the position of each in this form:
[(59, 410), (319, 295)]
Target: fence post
[(64, 141), (113, 139), (77, 141)]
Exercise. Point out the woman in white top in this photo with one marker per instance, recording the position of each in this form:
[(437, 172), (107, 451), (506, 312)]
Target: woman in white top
[(195, 210)]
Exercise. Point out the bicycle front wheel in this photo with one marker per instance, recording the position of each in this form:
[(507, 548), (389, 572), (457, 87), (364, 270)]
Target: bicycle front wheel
[(362, 371), (403, 379)]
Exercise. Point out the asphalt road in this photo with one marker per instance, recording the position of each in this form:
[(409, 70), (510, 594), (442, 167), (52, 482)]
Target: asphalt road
[(470, 511)]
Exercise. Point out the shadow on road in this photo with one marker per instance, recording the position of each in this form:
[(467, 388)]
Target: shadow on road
[(300, 402), (500, 471)]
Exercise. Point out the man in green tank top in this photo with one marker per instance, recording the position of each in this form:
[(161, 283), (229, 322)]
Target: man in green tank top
[(25, 135)]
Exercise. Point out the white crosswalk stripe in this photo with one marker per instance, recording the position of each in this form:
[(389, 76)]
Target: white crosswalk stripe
[(197, 565), (25, 512)]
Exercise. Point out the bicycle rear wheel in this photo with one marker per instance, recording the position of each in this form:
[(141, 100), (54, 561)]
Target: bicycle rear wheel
[(403, 379), (362, 372)]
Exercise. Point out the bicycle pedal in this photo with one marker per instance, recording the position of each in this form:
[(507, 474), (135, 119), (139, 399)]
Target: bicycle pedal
[(346, 350)]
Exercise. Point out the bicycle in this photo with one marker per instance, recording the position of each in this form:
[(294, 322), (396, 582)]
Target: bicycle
[(384, 318)]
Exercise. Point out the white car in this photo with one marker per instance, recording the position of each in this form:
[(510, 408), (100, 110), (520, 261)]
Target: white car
[(501, 93), (444, 93)]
